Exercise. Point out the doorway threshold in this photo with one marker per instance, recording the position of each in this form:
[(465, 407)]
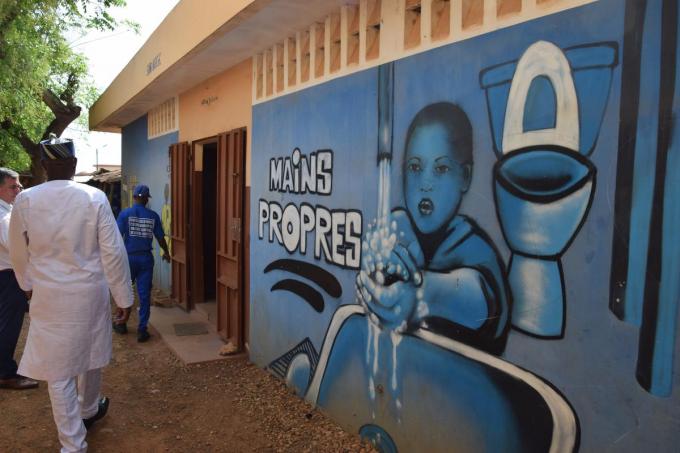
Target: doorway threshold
[(196, 346), (208, 310)]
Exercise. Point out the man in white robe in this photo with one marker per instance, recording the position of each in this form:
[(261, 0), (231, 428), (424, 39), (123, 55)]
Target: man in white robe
[(66, 249)]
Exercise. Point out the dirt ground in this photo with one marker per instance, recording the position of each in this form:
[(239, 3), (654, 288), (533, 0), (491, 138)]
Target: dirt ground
[(160, 405)]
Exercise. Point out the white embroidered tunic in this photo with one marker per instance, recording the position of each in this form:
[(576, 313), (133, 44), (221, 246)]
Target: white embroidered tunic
[(66, 247)]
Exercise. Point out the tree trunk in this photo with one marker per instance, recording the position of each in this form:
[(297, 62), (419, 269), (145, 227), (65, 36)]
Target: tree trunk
[(37, 170)]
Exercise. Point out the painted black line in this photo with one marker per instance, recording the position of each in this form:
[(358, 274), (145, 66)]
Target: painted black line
[(306, 292), (511, 187), (628, 113), (324, 279)]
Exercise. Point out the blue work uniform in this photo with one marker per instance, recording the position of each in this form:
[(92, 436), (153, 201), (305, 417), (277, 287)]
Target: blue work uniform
[(139, 225)]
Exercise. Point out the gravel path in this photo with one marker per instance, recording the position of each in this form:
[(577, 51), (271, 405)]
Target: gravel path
[(160, 405)]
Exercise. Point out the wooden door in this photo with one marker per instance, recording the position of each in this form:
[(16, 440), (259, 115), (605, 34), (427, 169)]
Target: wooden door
[(180, 163), (230, 183)]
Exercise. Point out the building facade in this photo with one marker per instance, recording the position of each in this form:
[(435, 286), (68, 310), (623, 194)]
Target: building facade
[(451, 225)]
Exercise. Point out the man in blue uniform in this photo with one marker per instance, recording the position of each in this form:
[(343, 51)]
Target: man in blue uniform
[(139, 225)]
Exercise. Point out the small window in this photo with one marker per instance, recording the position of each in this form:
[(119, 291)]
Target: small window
[(508, 7), (292, 62), (320, 49), (352, 35), (336, 42), (441, 19), (279, 67), (305, 56), (373, 23), (269, 72), (412, 24), (162, 119), (473, 13), (259, 71)]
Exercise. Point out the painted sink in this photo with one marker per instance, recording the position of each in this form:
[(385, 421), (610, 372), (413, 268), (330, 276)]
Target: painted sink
[(396, 390)]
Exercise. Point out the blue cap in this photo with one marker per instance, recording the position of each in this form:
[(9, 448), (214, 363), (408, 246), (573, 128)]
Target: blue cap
[(141, 190), (57, 148)]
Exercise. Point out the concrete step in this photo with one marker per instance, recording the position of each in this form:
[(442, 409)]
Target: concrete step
[(189, 348), (207, 310)]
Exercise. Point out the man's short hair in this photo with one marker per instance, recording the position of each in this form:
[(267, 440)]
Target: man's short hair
[(7, 173)]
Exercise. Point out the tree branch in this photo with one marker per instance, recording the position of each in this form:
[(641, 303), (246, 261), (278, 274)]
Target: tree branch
[(70, 91), (64, 113), (22, 137)]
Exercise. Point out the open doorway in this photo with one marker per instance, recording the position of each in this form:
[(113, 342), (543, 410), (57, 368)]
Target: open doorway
[(202, 224), (209, 241), (211, 273)]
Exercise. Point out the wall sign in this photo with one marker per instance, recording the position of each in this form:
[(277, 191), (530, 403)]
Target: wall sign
[(335, 233), (153, 64), (209, 100)]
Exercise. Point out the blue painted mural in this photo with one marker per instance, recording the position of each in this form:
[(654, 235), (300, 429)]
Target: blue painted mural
[(433, 254), (146, 161)]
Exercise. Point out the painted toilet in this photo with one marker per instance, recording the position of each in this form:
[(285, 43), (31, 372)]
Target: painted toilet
[(545, 112)]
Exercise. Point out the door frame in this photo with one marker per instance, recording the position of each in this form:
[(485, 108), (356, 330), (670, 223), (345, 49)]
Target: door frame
[(188, 273), (195, 220)]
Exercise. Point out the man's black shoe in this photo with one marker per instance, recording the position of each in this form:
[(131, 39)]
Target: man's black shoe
[(18, 383), (120, 328), (101, 412), (143, 336)]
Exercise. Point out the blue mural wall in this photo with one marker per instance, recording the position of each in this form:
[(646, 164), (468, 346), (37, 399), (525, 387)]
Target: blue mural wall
[(456, 251), (146, 161)]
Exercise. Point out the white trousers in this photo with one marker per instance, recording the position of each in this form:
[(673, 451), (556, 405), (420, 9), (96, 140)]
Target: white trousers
[(74, 399)]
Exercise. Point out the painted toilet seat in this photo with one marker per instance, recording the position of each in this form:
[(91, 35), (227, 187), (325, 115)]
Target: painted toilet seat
[(547, 60)]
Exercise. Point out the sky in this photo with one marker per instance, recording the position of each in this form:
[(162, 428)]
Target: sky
[(108, 53)]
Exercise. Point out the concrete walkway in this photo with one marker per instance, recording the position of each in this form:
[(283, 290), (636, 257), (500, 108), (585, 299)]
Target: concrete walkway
[(188, 348)]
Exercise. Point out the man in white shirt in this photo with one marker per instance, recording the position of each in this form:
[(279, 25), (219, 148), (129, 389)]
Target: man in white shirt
[(13, 303), (66, 249)]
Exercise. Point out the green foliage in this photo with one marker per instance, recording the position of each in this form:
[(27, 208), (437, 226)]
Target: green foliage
[(12, 155), (35, 59)]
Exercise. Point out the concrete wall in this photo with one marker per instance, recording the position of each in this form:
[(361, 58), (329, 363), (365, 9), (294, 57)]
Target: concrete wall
[(146, 161), (484, 256), (187, 25), (219, 104)]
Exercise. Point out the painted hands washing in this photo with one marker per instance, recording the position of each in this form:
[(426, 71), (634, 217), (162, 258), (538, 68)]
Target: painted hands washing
[(388, 283)]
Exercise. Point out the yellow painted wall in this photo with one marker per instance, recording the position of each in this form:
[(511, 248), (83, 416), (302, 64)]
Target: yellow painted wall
[(219, 104), (189, 23)]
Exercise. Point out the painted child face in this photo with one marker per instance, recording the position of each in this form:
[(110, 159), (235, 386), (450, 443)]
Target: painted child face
[(434, 181)]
